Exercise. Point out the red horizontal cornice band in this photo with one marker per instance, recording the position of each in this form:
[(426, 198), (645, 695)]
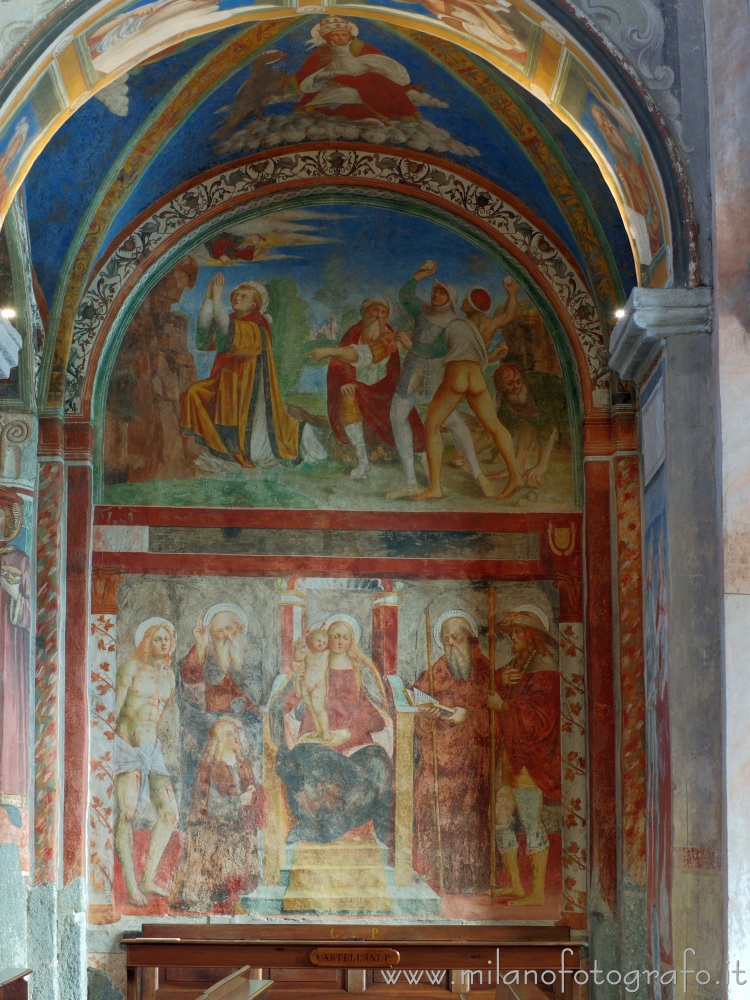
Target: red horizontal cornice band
[(223, 565), (340, 520)]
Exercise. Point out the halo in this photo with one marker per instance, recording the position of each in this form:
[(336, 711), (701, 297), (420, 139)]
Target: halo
[(453, 614), (315, 627), (260, 289), (351, 622), (224, 607), (531, 609), (149, 623)]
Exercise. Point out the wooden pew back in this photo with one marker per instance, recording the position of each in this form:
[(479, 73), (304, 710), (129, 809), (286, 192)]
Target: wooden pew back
[(235, 986)]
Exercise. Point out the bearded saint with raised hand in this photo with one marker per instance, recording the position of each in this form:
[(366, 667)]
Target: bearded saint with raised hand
[(221, 669)]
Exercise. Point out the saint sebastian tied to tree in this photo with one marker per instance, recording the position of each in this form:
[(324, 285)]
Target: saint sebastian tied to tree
[(145, 688)]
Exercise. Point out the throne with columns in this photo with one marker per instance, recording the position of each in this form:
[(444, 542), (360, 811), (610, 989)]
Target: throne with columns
[(351, 874)]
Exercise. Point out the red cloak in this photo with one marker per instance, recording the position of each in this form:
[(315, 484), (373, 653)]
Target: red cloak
[(348, 707), (530, 728), (463, 778), (380, 96), (374, 401)]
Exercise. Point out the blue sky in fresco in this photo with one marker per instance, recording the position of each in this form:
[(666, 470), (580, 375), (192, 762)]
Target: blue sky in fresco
[(370, 251), (83, 151), (79, 156), (191, 150)]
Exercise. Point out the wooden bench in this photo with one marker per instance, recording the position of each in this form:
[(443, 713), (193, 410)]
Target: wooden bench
[(13, 984), (237, 986), (325, 960), (522, 991)]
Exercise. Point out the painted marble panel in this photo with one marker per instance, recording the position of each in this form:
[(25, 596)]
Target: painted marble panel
[(16, 616), (658, 746), (328, 383), (103, 647), (309, 746), (50, 633)]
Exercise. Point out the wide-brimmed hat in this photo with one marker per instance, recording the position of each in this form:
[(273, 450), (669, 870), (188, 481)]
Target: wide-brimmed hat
[(9, 498), (525, 616)]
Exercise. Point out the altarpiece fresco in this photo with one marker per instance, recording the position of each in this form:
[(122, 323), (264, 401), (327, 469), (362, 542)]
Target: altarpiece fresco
[(338, 745)]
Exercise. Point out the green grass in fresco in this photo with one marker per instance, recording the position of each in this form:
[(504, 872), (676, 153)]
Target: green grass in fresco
[(208, 492)]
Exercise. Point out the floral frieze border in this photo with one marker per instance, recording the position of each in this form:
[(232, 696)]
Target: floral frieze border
[(345, 165)]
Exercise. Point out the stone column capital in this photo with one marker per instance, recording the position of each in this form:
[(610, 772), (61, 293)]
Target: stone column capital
[(652, 315)]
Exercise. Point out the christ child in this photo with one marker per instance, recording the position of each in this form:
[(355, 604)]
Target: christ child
[(311, 680)]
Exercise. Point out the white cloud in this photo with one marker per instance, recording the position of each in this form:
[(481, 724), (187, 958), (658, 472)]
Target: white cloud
[(293, 127)]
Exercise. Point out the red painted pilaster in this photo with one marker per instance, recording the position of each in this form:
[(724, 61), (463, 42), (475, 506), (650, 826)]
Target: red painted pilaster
[(385, 632), (600, 681), (78, 586), (49, 623), (632, 686), (293, 623)]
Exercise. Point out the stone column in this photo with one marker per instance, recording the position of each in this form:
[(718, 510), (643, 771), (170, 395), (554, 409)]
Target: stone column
[(729, 85), (663, 345)]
